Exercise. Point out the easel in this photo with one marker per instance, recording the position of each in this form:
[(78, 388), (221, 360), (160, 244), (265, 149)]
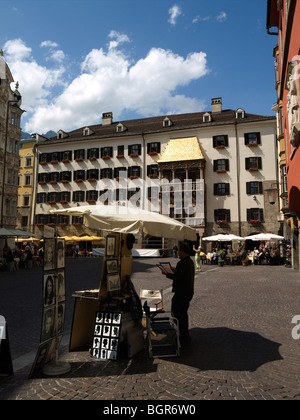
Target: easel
[(108, 298)]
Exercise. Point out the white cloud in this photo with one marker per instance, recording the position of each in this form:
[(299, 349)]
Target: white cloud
[(117, 39), (36, 81), (109, 80), (222, 17), (174, 13), (50, 44)]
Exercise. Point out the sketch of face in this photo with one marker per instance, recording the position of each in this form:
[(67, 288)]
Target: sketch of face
[(49, 287), (49, 254), (48, 322)]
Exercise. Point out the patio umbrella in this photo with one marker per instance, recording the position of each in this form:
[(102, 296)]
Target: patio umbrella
[(131, 220), (223, 238), (264, 237)]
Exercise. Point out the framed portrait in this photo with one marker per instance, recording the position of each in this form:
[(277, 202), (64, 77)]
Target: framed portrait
[(112, 266), (110, 246), (49, 254), (49, 290), (48, 325), (60, 253), (60, 317), (113, 282), (106, 335), (60, 286)]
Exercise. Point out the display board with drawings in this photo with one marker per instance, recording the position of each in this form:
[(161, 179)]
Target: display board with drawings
[(54, 303), (106, 335)]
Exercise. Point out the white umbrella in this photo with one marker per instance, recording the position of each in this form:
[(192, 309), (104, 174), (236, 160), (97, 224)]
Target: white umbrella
[(264, 237), (223, 238), (130, 220), (15, 232)]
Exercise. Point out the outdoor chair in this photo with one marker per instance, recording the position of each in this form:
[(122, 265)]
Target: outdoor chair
[(162, 334)]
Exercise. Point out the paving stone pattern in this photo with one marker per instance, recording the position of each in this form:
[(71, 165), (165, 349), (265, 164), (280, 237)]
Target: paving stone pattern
[(240, 322)]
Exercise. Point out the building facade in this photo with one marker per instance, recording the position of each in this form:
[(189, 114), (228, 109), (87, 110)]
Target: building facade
[(229, 156), (26, 182), (283, 17), (10, 134)]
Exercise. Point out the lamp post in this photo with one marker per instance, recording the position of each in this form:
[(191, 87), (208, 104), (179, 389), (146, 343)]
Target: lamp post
[(17, 99)]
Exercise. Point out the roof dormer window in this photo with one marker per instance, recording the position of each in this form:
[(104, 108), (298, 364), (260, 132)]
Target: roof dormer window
[(87, 131), (240, 114), (206, 117), (62, 134), (167, 122), (120, 128)]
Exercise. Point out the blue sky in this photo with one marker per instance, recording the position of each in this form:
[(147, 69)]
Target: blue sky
[(76, 59)]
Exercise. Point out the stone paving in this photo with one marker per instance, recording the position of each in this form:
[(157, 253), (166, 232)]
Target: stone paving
[(241, 327)]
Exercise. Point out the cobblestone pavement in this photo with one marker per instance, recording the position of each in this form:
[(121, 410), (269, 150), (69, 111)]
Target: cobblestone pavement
[(241, 327)]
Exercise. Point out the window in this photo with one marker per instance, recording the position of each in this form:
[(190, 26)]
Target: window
[(253, 188), (92, 195), (44, 158), (252, 139), (121, 128), (26, 200), (55, 157), (66, 176), (28, 161), (222, 215), (54, 177), (152, 171), (221, 165), (41, 198), (13, 146), (253, 163), (66, 156), (220, 141), (240, 114), (167, 122), (206, 117), (93, 153), (106, 152), (92, 174), (134, 172), (27, 180), (53, 197), (79, 154), (41, 219), (134, 150), (79, 175), (221, 189), (43, 177), (65, 196), (153, 148), (77, 220), (120, 151), (255, 215), (78, 196), (284, 188), (118, 170), (106, 173)]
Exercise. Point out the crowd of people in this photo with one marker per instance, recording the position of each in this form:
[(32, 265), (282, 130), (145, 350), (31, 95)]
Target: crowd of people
[(264, 254), (21, 257)]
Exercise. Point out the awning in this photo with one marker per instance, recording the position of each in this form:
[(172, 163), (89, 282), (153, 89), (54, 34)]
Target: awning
[(15, 232)]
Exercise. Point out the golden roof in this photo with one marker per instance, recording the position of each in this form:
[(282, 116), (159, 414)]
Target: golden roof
[(187, 148)]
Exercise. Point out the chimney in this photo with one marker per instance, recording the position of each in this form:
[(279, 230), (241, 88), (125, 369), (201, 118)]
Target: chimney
[(107, 118), (216, 105)]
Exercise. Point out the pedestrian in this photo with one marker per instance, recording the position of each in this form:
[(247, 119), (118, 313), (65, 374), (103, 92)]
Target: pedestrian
[(183, 289), (175, 251), (197, 258)]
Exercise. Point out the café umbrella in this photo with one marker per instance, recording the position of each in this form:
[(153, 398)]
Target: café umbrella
[(223, 238), (130, 220), (264, 237)]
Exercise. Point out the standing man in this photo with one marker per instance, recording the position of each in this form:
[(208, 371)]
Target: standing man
[(183, 289)]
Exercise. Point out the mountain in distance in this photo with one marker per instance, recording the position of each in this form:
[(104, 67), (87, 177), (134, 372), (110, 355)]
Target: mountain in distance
[(48, 135)]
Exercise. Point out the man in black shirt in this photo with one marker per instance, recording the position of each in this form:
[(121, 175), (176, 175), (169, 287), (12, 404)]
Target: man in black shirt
[(183, 289)]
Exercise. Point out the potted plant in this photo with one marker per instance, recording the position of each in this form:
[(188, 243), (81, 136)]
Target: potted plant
[(245, 260)]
